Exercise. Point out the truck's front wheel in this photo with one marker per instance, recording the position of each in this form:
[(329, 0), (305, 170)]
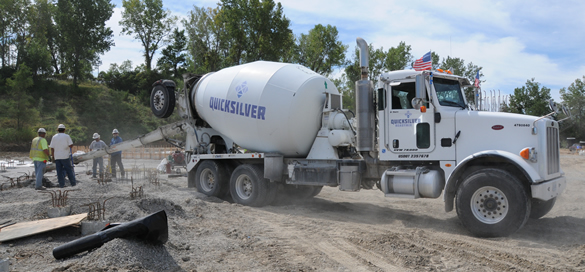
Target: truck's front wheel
[(211, 179), (540, 207), (249, 187), (492, 203)]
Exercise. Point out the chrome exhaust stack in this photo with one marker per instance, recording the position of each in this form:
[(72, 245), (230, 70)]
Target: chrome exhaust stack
[(364, 93)]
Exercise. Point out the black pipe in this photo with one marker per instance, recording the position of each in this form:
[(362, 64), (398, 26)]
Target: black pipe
[(152, 228)]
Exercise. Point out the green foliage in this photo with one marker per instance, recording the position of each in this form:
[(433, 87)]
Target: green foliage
[(530, 99), (35, 54), (19, 112), (574, 98), (320, 50), (148, 22), (137, 81), (396, 58), (83, 34), (173, 59), (254, 30), (207, 45)]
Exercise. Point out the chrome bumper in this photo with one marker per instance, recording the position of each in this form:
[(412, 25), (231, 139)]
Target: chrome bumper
[(549, 189)]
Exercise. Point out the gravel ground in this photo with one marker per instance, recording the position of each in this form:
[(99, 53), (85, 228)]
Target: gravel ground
[(335, 231)]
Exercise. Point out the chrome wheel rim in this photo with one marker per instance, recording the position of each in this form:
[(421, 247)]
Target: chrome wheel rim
[(244, 187), (159, 100), (207, 180), (489, 205)]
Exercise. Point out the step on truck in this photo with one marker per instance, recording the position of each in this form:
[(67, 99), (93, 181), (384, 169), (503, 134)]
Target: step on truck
[(264, 127)]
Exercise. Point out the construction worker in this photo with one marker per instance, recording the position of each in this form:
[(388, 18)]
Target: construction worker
[(39, 153), (97, 144), (61, 145), (116, 157)]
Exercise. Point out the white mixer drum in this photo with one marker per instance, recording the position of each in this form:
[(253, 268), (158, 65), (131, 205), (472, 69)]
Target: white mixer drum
[(264, 106)]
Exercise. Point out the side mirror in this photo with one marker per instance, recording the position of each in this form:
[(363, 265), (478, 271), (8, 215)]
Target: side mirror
[(553, 106), (565, 110), (417, 102)]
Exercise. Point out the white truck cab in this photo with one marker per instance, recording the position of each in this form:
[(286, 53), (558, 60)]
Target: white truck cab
[(498, 165)]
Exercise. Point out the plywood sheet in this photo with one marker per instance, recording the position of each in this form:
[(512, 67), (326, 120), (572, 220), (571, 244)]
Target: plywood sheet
[(25, 229)]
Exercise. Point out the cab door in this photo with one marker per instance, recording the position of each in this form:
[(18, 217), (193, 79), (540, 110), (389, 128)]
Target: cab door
[(408, 133)]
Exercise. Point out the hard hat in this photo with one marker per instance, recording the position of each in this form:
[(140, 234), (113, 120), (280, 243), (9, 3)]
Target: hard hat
[(61, 126), (115, 131), (96, 136), (41, 130)]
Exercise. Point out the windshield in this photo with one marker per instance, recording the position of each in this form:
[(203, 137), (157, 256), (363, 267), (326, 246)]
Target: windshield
[(449, 92)]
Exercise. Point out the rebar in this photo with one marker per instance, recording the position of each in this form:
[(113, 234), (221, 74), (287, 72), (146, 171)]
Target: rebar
[(11, 182), (97, 211), (136, 191), (58, 198)]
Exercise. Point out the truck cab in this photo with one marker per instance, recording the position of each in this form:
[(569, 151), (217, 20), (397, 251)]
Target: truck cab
[(488, 159)]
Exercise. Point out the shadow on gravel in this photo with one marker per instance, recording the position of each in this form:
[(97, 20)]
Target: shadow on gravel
[(365, 213), (561, 230)]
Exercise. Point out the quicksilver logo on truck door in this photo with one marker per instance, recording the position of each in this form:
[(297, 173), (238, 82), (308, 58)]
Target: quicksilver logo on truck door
[(405, 122)]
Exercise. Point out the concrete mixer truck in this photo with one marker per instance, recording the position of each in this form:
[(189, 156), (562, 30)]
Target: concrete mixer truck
[(256, 128)]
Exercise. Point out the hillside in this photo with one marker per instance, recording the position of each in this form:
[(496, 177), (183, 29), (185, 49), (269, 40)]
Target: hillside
[(89, 108)]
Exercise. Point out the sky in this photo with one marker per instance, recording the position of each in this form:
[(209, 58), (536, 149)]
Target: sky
[(513, 41)]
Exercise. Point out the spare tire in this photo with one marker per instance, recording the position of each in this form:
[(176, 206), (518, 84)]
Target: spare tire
[(162, 100)]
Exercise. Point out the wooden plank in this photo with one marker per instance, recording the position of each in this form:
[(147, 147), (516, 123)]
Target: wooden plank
[(25, 229)]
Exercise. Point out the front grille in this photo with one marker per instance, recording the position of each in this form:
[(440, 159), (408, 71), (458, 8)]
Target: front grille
[(552, 150)]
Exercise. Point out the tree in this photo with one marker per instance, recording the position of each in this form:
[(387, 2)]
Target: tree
[(396, 58), (320, 50), (207, 46), (36, 54), (254, 30), (530, 99), (19, 106), (148, 22), (574, 98), (84, 35), (173, 57)]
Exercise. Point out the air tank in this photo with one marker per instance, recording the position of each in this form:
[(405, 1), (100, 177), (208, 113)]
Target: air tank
[(264, 106)]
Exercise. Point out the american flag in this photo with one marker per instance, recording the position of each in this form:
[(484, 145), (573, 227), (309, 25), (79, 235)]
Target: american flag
[(424, 63), (477, 79)]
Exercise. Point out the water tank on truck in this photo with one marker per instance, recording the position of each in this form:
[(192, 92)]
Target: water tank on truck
[(264, 106)]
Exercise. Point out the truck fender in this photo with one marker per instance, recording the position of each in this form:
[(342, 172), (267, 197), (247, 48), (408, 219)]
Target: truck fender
[(452, 181)]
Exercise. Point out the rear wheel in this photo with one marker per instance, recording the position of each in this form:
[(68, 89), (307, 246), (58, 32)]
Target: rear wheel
[(249, 187), (540, 208), (492, 203), (211, 178)]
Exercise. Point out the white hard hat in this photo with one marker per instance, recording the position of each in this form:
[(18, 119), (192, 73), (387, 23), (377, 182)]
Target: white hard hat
[(115, 131), (61, 126), (41, 130), (95, 135)]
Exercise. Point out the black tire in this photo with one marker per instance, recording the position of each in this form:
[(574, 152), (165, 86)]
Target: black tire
[(211, 178), (301, 191), (492, 203), (540, 208), (316, 191), (249, 187), (162, 101)]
